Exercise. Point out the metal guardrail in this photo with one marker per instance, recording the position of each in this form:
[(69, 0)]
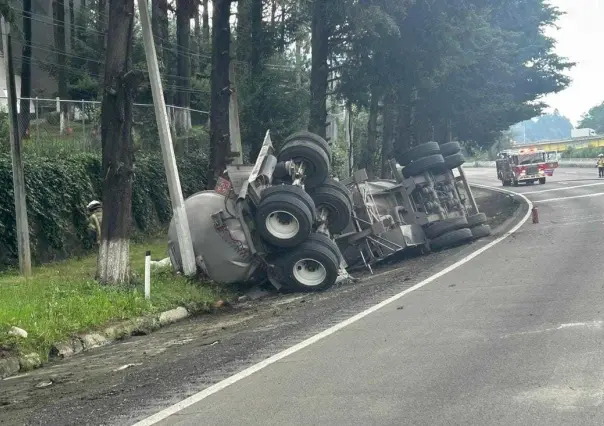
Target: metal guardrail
[(564, 162)]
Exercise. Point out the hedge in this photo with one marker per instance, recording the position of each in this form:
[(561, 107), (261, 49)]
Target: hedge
[(58, 190)]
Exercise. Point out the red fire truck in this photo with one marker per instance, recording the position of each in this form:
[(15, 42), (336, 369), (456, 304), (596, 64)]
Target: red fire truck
[(525, 165)]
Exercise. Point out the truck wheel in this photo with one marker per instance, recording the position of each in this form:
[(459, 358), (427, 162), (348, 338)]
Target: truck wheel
[(420, 151), (451, 239), (335, 198), (326, 242), (424, 164), (542, 181), (315, 159), (455, 160), (436, 229), (450, 148), (294, 190), (311, 266), (282, 219), (480, 231), (313, 138), (477, 219)]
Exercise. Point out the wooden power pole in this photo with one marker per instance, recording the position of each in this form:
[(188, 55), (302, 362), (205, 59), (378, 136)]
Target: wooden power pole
[(167, 148), (17, 155)]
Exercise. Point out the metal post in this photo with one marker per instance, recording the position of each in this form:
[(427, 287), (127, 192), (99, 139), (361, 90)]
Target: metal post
[(180, 215), (16, 153), (234, 129), (466, 186), (148, 275), (83, 121), (37, 120)]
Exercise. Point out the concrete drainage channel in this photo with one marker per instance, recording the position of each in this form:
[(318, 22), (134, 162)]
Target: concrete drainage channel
[(285, 220)]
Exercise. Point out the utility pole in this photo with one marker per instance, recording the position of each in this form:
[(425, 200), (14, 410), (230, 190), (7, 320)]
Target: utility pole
[(167, 148), (17, 156)]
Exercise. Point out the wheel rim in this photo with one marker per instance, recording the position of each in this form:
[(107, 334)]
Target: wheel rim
[(282, 225), (309, 272)]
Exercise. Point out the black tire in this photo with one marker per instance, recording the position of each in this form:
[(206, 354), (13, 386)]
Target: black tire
[(312, 137), (276, 212), (336, 199), (451, 239), (481, 231), (424, 164), (420, 151), (327, 242), (436, 229), (293, 272), (455, 160), (542, 181), (477, 219), (318, 166), (450, 148), (297, 191)]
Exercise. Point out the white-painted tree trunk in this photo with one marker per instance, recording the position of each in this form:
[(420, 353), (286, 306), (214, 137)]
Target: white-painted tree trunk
[(113, 264)]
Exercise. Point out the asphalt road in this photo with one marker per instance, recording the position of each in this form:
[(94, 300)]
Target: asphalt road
[(513, 336), (509, 337)]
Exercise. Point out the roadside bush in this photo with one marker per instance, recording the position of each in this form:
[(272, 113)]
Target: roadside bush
[(58, 191)]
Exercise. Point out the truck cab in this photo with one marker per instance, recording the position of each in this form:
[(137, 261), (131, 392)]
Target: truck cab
[(527, 166)]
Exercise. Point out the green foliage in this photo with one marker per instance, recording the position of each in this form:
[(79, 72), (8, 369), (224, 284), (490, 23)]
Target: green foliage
[(594, 119), (58, 191), (583, 153), (546, 127), (63, 298)]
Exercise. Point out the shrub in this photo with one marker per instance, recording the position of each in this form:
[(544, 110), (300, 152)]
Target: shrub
[(59, 189)]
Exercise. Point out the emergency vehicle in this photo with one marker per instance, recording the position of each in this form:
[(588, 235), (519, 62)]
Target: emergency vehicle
[(525, 165)]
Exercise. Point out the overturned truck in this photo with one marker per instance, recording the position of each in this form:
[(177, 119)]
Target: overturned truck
[(287, 220)]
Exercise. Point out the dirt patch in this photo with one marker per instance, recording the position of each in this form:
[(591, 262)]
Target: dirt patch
[(498, 206)]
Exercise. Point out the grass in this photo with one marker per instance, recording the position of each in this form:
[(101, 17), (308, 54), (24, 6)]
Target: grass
[(63, 298)]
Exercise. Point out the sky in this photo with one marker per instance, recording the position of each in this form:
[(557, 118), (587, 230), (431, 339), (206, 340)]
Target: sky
[(580, 38)]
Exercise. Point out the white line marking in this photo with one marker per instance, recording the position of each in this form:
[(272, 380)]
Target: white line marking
[(563, 189), (597, 194), (193, 399)]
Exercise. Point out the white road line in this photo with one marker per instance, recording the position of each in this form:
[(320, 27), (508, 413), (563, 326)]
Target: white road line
[(193, 399), (563, 189), (597, 194)]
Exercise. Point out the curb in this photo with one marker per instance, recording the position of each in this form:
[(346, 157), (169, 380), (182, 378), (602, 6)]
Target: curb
[(10, 366), (13, 365)]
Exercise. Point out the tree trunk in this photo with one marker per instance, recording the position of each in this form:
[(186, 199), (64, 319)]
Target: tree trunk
[(389, 126), (319, 71), (371, 147), (273, 14), (243, 39), (59, 35), (196, 63), (205, 25), (401, 143), (282, 31), (255, 49), (220, 93), (118, 155), (72, 26), (25, 70), (183, 72), (101, 34), (161, 34)]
